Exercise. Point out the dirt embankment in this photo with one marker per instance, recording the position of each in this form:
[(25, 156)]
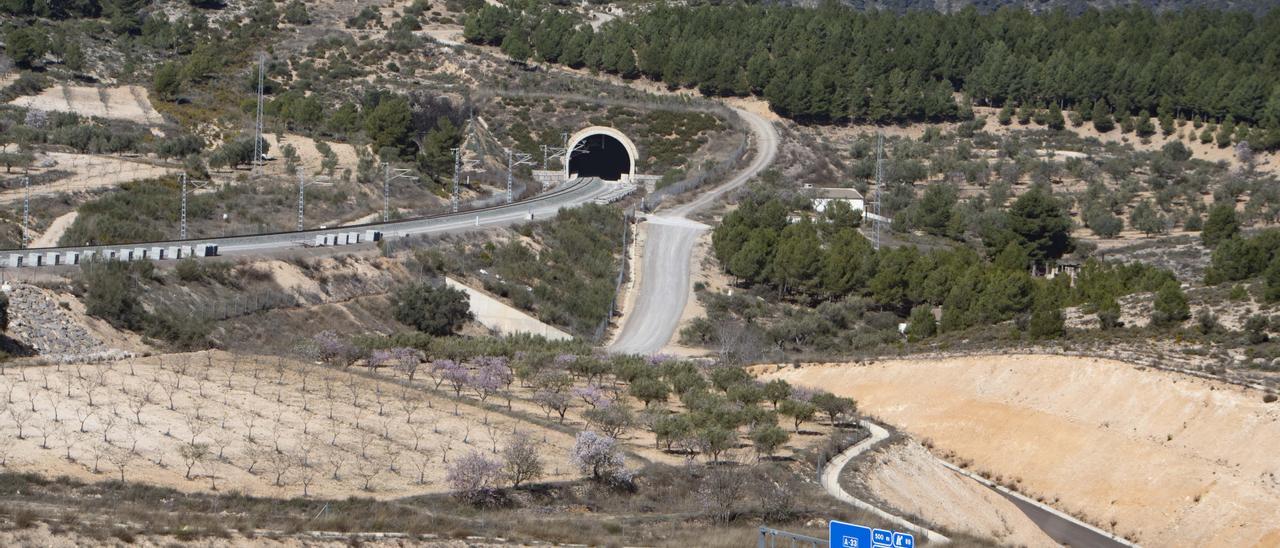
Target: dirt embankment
[(908, 479), (1158, 457)]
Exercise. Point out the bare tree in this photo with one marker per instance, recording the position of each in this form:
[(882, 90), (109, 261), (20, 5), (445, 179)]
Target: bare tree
[(365, 439), (139, 401), (194, 428), (20, 416), (211, 471), (254, 454), (193, 454), (69, 438), (336, 457), (392, 454), (248, 433), (520, 460), (306, 476), (409, 403), (353, 387), (120, 459), (108, 421), (222, 440), (83, 414), (45, 430), (31, 400), (280, 464), (171, 388), (97, 450), (55, 401), (367, 471), (422, 462), (380, 399)]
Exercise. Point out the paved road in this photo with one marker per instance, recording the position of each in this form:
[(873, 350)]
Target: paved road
[(665, 269), (571, 194)]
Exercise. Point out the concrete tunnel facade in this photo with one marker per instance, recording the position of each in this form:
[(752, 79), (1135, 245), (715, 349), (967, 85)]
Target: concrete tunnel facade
[(603, 152)]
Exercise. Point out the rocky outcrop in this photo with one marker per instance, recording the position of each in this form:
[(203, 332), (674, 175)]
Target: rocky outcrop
[(36, 320)]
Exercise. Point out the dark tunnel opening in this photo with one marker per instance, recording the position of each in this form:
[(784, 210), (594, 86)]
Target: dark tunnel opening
[(600, 156)]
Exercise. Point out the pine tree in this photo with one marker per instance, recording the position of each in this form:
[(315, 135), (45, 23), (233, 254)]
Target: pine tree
[(1054, 119), (1170, 307), (1221, 225), (1102, 117)]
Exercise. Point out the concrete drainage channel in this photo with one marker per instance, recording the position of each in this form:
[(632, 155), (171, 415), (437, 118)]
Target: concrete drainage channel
[(830, 479)]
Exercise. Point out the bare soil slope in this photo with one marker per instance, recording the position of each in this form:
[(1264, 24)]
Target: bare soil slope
[(907, 478), (1158, 457)]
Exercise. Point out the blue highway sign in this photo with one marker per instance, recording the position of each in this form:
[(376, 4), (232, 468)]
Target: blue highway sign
[(848, 535), (903, 540), (881, 538)]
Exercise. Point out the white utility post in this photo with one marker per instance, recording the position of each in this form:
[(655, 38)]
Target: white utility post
[(182, 229), (26, 210), (389, 175), (514, 160)]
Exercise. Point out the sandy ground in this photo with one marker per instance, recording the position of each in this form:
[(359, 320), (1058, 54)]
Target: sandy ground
[(909, 479), (1159, 457), (503, 318), (88, 173), (267, 418), (309, 157), (123, 103), (59, 226)]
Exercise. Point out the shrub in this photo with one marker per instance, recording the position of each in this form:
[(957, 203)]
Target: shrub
[(433, 309), (1170, 307), (473, 477), (111, 291)]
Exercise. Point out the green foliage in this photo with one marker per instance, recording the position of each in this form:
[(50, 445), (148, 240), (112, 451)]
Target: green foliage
[(1170, 307), (922, 324), (571, 281), (1221, 225), (295, 13), (767, 439), (834, 406), (141, 211), (111, 290), (1239, 258), (1144, 217), (436, 157), (1255, 328), (1101, 117), (1271, 291), (649, 389), (390, 125), (934, 210), (1040, 224), (4, 311), (25, 45), (237, 153), (1102, 221), (799, 411), (168, 81), (433, 309)]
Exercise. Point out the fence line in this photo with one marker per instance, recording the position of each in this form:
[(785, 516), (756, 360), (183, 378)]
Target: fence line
[(627, 220)]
